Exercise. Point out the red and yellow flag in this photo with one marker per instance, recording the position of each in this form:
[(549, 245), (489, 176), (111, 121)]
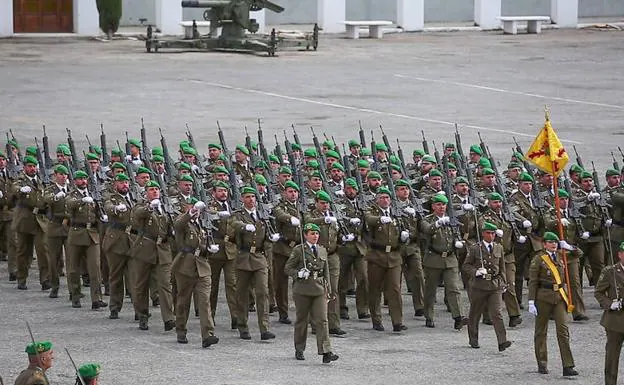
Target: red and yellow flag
[(547, 152)]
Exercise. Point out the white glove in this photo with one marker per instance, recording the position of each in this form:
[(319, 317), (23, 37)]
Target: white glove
[(129, 158), (339, 193), (303, 273), (442, 221), (355, 221), (527, 224), (405, 235), (348, 238), (295, 221), (480, 271), (592, 196), (330, 220), (199, 206), (566, 245), (565, 222), (104, 218), (608, 222), (459, 244), (585, 235), (195, 167), (213, 249), (616, 305), (121, 208), (26, 189), (522, 239), (155, 203), (251, 228), (410, 211), (441, 192), (467, 207), (426, 177), (137, 162), (1, 195), (274, 237), (59, 195), (499, 233), (385, 219), (87, 200), (532, 308), (223, 214)]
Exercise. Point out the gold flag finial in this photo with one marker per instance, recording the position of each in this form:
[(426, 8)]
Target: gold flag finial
[(547, 113)]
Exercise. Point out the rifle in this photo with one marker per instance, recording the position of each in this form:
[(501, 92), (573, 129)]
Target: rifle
[(75, 367), (579, 161), (235, 199), (127, 144), (253, 156), (19, 153), (621, 153), (13, 166), (463, 171), (32, 339), (101, 171), (615, 162), (47, 161), (134, 189), (338, 213), (297, 177), (264, 212), (201, 157), (105, 153), (424, 142), (385, 139), (358, 179), (362, 137), (42, 171), (481, 144), (500, 188), (169, 169), (538, 200), (269, 174), (518, 148), (278, 150), (450, 209), (604, 206), (415, 201), (375, 164), (296, 136), (145, 151), (94, 187), (72, 148), (573, 209), (319, 150), (395, 211)]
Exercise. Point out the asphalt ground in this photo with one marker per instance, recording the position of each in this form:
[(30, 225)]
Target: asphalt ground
[(486, 82)]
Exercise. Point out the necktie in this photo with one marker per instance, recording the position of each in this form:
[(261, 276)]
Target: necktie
[(34, 181), (128, 201), (314, 250), (253, 216), (565, 213), (63, 190), (489, 248), (224, 206), (553, 256)]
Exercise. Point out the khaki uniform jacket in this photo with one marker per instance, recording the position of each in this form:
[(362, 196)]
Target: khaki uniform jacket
[(468, 228), (541, 279), (243, 173), (290, 235), (571, 233), (33, 375), (356, 247), (316, 284), (426, 193), (524, 211), (478, 256), (192, 258), (616, 200), (592, 215), (222, 237), (610, 278), (154, 231), (7, 201), (329, 232), (83, 225), (384, 237), (410, 224), (56, 211), (27, 205), (118, 237), (440, 253), (250, 244), (508, 236)]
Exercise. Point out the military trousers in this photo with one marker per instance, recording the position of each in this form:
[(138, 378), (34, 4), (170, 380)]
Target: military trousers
[(509, 295), (8, 238), (387, 280), (311, 309), (613, 349), (141, 273), (228, 266), (90, 256), (193, 287), (357, 264), (26, 243), (594, 255), (415, 278), (245, 279), (451, 290), (523, 253), (574, 270), (544, 311), (118, 279), (268, 251), (480, 300), (56, 245), (280, 283), (461, 257), (333, 306)]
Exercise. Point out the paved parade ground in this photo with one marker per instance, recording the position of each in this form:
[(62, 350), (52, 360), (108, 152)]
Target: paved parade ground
[(485, 82)]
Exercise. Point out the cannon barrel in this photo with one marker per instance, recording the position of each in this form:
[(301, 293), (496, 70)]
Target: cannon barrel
[(205, 4)]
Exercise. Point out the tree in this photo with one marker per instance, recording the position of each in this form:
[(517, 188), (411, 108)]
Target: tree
[(110, 14)]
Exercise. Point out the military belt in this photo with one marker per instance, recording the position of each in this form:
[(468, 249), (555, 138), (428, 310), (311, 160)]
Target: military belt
[(55, 219), (289, 243), (157, 239), (84, 225), (550, 286), (385, 248), (252, 249), (118, 226)]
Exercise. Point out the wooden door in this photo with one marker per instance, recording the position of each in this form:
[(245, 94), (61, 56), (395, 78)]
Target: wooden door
[(43, 16)]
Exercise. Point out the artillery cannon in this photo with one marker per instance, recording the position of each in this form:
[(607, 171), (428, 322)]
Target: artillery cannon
[(238, 30)]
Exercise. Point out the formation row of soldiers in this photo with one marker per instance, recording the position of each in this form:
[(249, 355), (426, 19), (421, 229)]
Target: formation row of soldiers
[(142, 219)]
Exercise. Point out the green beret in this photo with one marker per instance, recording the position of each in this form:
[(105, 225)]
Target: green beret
[(332, 154), (461, 179), (352, 183), (261, 164), (60, 169), (612, 172), (38, 347), (186, 178), (621, 248), (119, 165), (513, 165), (354, 143), (215, 145), (396, 167), (291, 184), (518, 156), (143, 170), (80, 174), (30, 160), (254, 145), (373, 175), (394, 160), (315, 174), (323, 196), (260, 179), (495, 197), (487, 226), (365, 151), (439, 198), (311, 227), (184, 166), (401, 182), (435, 172), (31, 150), (430, 159), (121, 177), (310, 153), (2, 155), (383, 190), (449, 145), (274, 158), (418, 152), (488, 171), (295, 147), (158, 151), (158, 158), (96, 149), (135, 142), (476, 149), (116, 152), (338, 166), (243, 149), (220, 184), (563, 193), (381, 147), (92, 156), (189, 151), (586, 175), (329, 144), (485, 163), (313, 164), (452, 166), (191, 200), (89, 371), (183, 144), (575, 168), (550, 236), (526, 177), (362, 163), (248, 190), (152, 183), (13, 143), (285, 170), (220, 170)]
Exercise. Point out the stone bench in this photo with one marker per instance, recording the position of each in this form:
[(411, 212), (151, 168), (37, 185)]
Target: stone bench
[(375, 28), (534, 23), (188, 27)]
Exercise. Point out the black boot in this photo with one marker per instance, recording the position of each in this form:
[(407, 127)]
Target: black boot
[(329, 357)]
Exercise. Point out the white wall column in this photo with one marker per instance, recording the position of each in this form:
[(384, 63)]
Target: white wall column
[(486, 13), (331, 14), (6, 17), (260, 17), (86, 18), (564, 13), (168, 17), (411, 15)]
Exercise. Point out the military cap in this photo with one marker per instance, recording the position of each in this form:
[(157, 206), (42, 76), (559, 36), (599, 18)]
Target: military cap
[(435, 172), (310, 153), (323, 196), (96, 149), (365, 151), (119, 165), (354, 143), (63, 149), (261, 164), (452, 166), (189, 151), (285, 170), (243, 149), (116, 152), (143, 170), (461, 179), (612, 172), (526, 177), (220, 170), (586, 175), (381, 147), (352, 183), (60, 169), (518, 156), (575, 168), (291, 184), (396, 167), (13, 143), (488, 171), (362, 163), (429, 158), (158, 158), (215, 145), (152, 183), (476, 149), (158, 151), (488, 226), (248, 190), (30, 160), (135, 142), (254, 145), (295, 146), (338, 166), (274, 158), (191, 200), (38, 347), (439, 198), (186, 178), (80, 174), (549, 236), (383, 190), (260, 179), (621, 248), (449, 145), (373, 175), (485, 163), (495, 197), (121, 177), (332, 154), (513, 165), (92, 156), (401, 182), (2, 155), (418, 152), (31, 150), (329, 144), (220, 184), (222, 157), (314, 164), (394, 160), (183, 144), (563, 193), (89, 371), (184, 166), (311, 227), (315, 174)]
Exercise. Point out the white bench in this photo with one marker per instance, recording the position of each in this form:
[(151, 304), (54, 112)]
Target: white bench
[(375, 28), (534, 23), (188, 27)]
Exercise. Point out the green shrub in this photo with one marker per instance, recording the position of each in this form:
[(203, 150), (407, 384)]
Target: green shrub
[(110, 14)]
